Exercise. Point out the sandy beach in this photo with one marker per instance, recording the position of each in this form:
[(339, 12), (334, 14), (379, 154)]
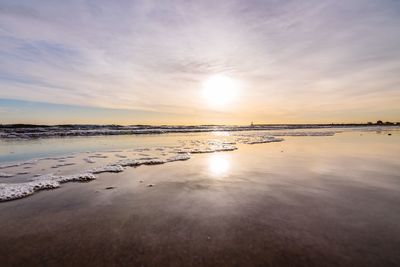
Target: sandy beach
[(307, 201)]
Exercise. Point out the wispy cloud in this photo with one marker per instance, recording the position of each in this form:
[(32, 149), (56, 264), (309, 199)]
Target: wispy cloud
[(293, 58)]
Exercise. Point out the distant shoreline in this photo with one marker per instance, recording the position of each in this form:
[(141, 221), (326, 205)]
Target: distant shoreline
[(27, 125), (28, 131)]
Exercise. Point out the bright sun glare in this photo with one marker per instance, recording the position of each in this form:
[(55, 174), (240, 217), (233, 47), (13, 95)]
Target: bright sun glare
[(218, 164), (219, 90)]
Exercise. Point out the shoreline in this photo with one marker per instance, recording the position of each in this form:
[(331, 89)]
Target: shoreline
[(61, 131)]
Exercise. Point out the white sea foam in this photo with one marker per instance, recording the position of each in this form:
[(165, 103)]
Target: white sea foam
[(208, 150), (6, 175), (262, 140), (128, 162), (154, 161), (208, 146), (142, 161), (107, 168), (20, 190), (179, 157), (80, 177)]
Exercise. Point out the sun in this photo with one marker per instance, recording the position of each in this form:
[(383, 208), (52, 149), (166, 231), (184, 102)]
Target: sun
[(218, 90)]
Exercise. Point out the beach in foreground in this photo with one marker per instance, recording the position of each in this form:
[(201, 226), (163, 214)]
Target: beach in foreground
[(306, 201)]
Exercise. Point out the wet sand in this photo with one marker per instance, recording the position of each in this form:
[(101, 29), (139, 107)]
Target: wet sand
[(308, 201)]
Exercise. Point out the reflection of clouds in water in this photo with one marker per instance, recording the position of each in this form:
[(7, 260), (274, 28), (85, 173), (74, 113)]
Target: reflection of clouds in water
[(218, 164)]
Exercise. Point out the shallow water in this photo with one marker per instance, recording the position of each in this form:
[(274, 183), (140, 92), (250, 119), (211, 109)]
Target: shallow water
[(46, 163), (305, 201), (12, 150)]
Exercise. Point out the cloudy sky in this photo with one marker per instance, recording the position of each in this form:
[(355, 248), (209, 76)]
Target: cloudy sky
[(132, 62)]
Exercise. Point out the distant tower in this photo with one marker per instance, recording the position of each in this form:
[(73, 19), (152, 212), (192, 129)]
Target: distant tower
[(252, 124)]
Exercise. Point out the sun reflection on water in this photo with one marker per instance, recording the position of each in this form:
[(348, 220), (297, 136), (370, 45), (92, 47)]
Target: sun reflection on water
[(218, 164)]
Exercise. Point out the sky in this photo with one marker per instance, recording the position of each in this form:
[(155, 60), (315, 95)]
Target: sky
[(147, 62)]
